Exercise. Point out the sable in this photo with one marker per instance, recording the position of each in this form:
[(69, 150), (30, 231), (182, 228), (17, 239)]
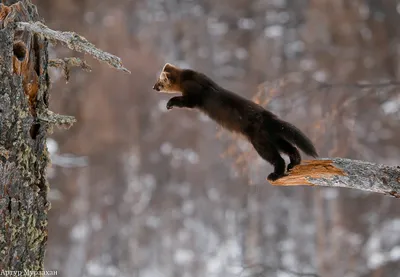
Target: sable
[(269, 135)]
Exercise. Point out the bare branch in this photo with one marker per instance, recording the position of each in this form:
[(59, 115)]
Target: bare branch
[(74, 42), (345, 173), (66, 64), (57, 119)]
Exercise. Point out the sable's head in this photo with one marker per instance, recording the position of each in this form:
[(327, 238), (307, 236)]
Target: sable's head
[(168, 81)]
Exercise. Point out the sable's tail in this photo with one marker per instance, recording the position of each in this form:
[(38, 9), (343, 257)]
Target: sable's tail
[(295, 136)]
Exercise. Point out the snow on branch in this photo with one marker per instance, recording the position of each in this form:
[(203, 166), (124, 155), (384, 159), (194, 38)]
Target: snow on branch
[(74, 42), (345, 173)]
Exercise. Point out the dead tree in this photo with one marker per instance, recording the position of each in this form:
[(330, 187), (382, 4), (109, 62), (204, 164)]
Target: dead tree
[(25, 122)]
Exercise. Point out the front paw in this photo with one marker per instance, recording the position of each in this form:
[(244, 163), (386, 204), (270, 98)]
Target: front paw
[(170, 104)]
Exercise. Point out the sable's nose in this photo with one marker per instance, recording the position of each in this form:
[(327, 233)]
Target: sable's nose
[(156, 87)]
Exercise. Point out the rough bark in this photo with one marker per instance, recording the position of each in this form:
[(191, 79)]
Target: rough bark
[(24, 85), (345, 173), (25, 122)]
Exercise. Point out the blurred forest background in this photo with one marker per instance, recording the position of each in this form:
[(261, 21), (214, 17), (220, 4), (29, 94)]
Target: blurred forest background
[(139, 191)]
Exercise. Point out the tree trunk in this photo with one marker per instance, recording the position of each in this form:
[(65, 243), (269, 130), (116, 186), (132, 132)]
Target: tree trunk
[(24, 85)]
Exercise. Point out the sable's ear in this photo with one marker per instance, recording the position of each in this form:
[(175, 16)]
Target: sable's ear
[(168, 67)]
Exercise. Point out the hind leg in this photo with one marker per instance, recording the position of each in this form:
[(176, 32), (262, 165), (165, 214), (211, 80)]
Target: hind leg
[(287, 148), (269, 152)]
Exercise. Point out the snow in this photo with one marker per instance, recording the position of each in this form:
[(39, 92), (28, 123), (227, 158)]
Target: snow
[(183, 235), (223, 57), (188, 207), (273, 31), (177, 153), (294, 48), (274, 17), (281, 273), (395, 253), (166, 148), (307, 64), (80, 231), (151, 271), (377, 250), (214, 265), (278, 3), (213, 194), (320, 76), (203, 117), (191, 156), (391, 106), (330, 193), (269, 229), (241, 53), (96, 222), (52, 146), (246, 23), (153, 222), (216, 28), (197, 10), (162, 105), (183, 256)]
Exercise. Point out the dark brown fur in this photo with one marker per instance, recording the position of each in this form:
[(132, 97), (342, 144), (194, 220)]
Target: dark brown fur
[(268, 134)]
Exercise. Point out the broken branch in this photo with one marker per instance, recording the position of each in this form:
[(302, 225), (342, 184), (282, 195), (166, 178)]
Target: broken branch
[(74, 42), (345, 173), (57, 119)]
